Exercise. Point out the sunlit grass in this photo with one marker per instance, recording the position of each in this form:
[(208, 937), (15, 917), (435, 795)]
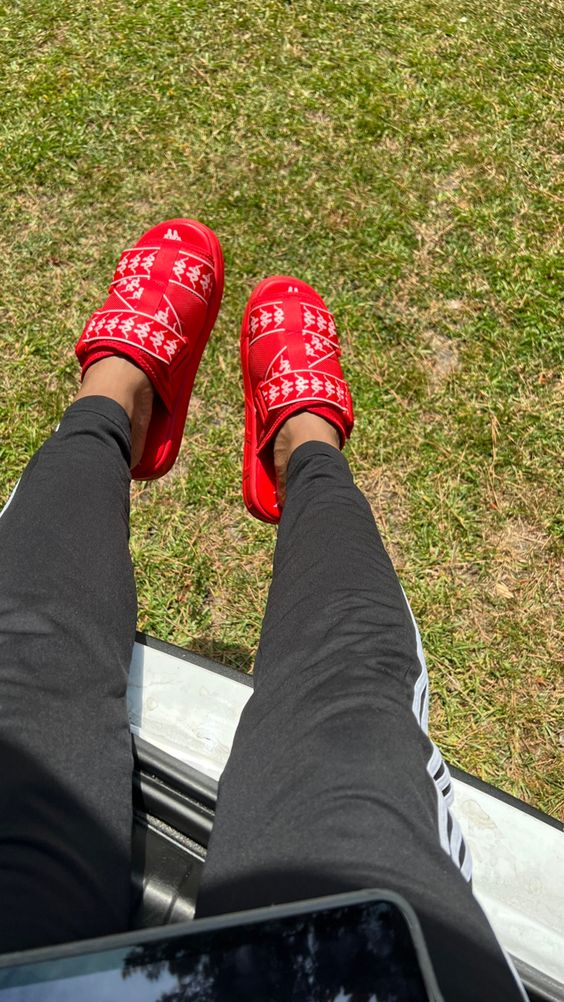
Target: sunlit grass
[(404, 158)]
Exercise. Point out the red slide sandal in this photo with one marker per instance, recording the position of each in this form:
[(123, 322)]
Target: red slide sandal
[(290, 360), (162, 305)]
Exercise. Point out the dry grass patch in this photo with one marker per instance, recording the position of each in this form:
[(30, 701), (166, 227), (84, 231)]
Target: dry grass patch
[(442, 359)]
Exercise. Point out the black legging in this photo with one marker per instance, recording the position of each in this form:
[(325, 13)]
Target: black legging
[(332, 783)]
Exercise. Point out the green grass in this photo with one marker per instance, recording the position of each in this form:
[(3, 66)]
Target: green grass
[(402, 156)]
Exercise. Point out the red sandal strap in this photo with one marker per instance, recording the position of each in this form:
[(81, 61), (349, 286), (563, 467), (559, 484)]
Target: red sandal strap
[(303, 386), (147, 333), (317, 349), (282, 314), (141, 265)]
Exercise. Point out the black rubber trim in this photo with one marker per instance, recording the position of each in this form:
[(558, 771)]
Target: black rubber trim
[(179, 796), (189, 782), (186, 817), (197, 659)]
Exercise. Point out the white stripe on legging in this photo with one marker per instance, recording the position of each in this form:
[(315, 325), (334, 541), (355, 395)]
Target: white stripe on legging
[(454, 845), (450, 834), (9, 501)]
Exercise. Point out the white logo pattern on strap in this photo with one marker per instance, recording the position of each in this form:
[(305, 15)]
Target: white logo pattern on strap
[(269, 317), (301, 385), (190, 271), (266, 319), (122, 325), (283, 385), (317, 348)]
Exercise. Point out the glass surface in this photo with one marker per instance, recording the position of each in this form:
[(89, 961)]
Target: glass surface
[(354, 953)]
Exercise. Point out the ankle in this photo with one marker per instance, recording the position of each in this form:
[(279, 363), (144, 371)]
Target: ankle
[(120, 380), (297, 430)]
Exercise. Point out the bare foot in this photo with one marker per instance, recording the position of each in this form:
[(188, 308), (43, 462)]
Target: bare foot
[(128, 385), (300, 428)]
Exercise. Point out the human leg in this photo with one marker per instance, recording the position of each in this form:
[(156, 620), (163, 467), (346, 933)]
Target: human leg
[(333, 784), (67, 627), (67, 596)]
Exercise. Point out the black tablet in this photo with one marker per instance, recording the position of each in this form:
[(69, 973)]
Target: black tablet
[(360, 947)]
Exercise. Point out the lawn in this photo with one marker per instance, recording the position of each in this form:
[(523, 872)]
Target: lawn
[(404, 157)]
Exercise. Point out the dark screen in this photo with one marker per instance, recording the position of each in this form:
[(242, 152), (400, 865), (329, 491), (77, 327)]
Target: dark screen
[(355, 953)]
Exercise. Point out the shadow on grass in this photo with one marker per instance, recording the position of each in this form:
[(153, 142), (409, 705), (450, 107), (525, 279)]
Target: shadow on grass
[(231, 655)]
